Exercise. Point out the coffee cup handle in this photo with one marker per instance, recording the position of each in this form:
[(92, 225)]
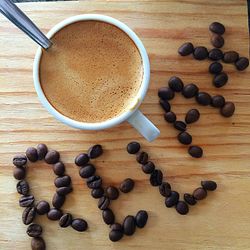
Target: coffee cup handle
[(143, 125)]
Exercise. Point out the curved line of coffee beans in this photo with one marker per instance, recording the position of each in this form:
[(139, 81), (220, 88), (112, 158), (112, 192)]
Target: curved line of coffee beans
[(88, 171), (172, 198)]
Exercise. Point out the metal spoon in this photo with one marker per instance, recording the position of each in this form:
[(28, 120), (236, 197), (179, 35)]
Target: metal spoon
[(16, 16)]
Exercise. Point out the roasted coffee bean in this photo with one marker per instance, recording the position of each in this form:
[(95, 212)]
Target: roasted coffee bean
[(186, 49), (54, 214), (209, 185), (217, 41), (166, 93), (242, 63), (103, 203), (173, 199), (133, 147), (116, 232), (170, 117), (59, 168), (62, 181), (182, 207), (148, 168), (94, 182), (165, 105), (19, 173), (189, 199), (22, 187), (180, 125), (112, 193), (129, 225), (82, 159), (190, 90), (116, 227), (165, 189), (127, 185), (64, 190), (156, 177), (42, 207), (200, 53), (217, 28), (220, 80), (192, 115), (95, 151), (29, 214), (175, 83), (97, 193), (87, 171), (218, 101), (52, 157), (141, 218), (65, 220), (230, 56), (31, 154), (195, 151), (228, 109), (34, 230), (58, 200), (185, 138), (215, 68), (79, 225), (38, 243), (142, 158), (19, 160), (41, 151), (203, 98), (200, 193), (215, 54), (26, 201), (108, 216)]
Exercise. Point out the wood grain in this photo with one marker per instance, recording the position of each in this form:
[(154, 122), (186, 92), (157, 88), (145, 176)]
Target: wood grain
[(219, 222)]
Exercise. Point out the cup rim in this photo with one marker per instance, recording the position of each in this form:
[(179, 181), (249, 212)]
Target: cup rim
[(140, 95)]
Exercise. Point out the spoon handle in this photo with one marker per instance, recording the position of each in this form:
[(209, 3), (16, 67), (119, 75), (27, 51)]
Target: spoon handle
[(16, 16)]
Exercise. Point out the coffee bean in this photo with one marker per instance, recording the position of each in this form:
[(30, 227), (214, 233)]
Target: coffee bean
[(41, 151), (97, 193), (165, 189), (103, 203), (148, 168), (165, 105), (185, 138), (195, 151), (79, 225), (95, 151), (217, 28), (22, 187), (175, 83), (180, 125), (59, 168), (189, 199), (203, 98), (190, 90), (38, 243), (65, 220), (116, 232), (242, 63), (94, 182), (218, 101), (129, 225), (19, 173), (172, 200), (156, 177), (31, 154), (81, 159), (58, 200), (26, 201), (200, 193), (220, 80), (127, 185), (186, 49), (182, 207), (166, 93), (217, 41), (87, 171), (209, 185), (215, 68), (62, 181), (170, 117), (64, 190), (19, 160), (192, 115), (29, 214), (141, 218), (34, 230), (108, 216), (133, 147), (52, 157), (112, 193), (228, 109), (42, 207), (116, 227), (54, 214), (142, 158), (230, 57), (215, 54), (200, 53)]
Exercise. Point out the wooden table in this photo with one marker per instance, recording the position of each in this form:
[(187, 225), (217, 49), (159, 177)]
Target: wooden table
[(219, 222)]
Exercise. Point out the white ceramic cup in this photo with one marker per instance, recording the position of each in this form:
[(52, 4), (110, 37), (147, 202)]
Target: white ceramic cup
[(132, 115)]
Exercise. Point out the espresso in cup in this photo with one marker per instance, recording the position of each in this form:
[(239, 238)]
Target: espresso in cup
[(92, 73)]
